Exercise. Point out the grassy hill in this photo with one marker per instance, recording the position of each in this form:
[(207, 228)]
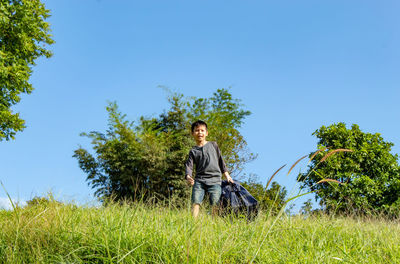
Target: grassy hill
[(58, 233)]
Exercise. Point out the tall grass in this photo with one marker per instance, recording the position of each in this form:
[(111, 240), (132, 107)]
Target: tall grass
[(147, 233), (141, 233)]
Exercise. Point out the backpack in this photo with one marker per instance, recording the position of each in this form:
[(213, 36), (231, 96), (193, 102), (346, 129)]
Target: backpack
[(236, 200)]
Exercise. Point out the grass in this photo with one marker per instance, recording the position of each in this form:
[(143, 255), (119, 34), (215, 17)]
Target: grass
[(59, 233)]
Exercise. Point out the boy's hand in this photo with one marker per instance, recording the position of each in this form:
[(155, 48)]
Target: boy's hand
[(228, 177), (189, 180)]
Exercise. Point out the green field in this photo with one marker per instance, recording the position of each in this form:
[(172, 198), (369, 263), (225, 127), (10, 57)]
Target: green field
[(140, 233)]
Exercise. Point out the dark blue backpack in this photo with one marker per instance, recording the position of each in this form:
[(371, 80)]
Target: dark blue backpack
[(236, 200)]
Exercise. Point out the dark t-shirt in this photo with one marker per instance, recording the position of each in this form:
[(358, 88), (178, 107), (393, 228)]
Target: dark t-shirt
[(208, 161)]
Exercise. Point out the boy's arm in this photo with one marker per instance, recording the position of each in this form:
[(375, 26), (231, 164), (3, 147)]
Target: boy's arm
[(189, 169), (222, 164)]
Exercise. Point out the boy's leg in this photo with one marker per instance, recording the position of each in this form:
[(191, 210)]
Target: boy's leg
[(197, 197), (195, 210), (215, 195)]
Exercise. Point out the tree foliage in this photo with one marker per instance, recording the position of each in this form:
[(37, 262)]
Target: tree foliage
[(145, 160), (42, 201), (271, 199), (370, 174), (24, 34), (306, 209)]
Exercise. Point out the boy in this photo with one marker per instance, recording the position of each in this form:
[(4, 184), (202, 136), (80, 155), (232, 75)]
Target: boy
[(209, 167)]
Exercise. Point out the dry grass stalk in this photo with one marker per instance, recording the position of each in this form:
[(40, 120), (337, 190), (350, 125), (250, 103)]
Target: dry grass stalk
[(329, 180), (273, 175), (333, 152), (316, 152), (294, 165)]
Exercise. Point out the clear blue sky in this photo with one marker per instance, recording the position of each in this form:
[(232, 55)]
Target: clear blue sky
[(296, 65)]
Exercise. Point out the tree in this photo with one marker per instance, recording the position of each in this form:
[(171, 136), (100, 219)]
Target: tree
[(24, 35), (224, 116), (42, 201), (271, 199), (146, 160), (306, 209), (368, 176)]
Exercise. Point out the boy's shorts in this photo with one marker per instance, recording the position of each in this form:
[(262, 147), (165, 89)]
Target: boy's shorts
[(199, 189)]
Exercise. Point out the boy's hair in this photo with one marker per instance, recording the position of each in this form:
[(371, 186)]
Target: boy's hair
[(198, 123)]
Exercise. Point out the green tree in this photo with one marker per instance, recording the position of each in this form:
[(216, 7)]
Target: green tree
[(270, 199), (24, 35), (42, 201), (368, 176), (224, 115), (306, 209), (145, 160)]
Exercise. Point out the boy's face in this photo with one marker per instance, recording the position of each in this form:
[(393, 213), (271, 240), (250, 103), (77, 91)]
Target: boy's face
[(200, 133)]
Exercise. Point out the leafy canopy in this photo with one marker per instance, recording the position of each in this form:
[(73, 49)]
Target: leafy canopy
[(271, 199), (43, 201), (145, 160), (24, 35), (370, 174)]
